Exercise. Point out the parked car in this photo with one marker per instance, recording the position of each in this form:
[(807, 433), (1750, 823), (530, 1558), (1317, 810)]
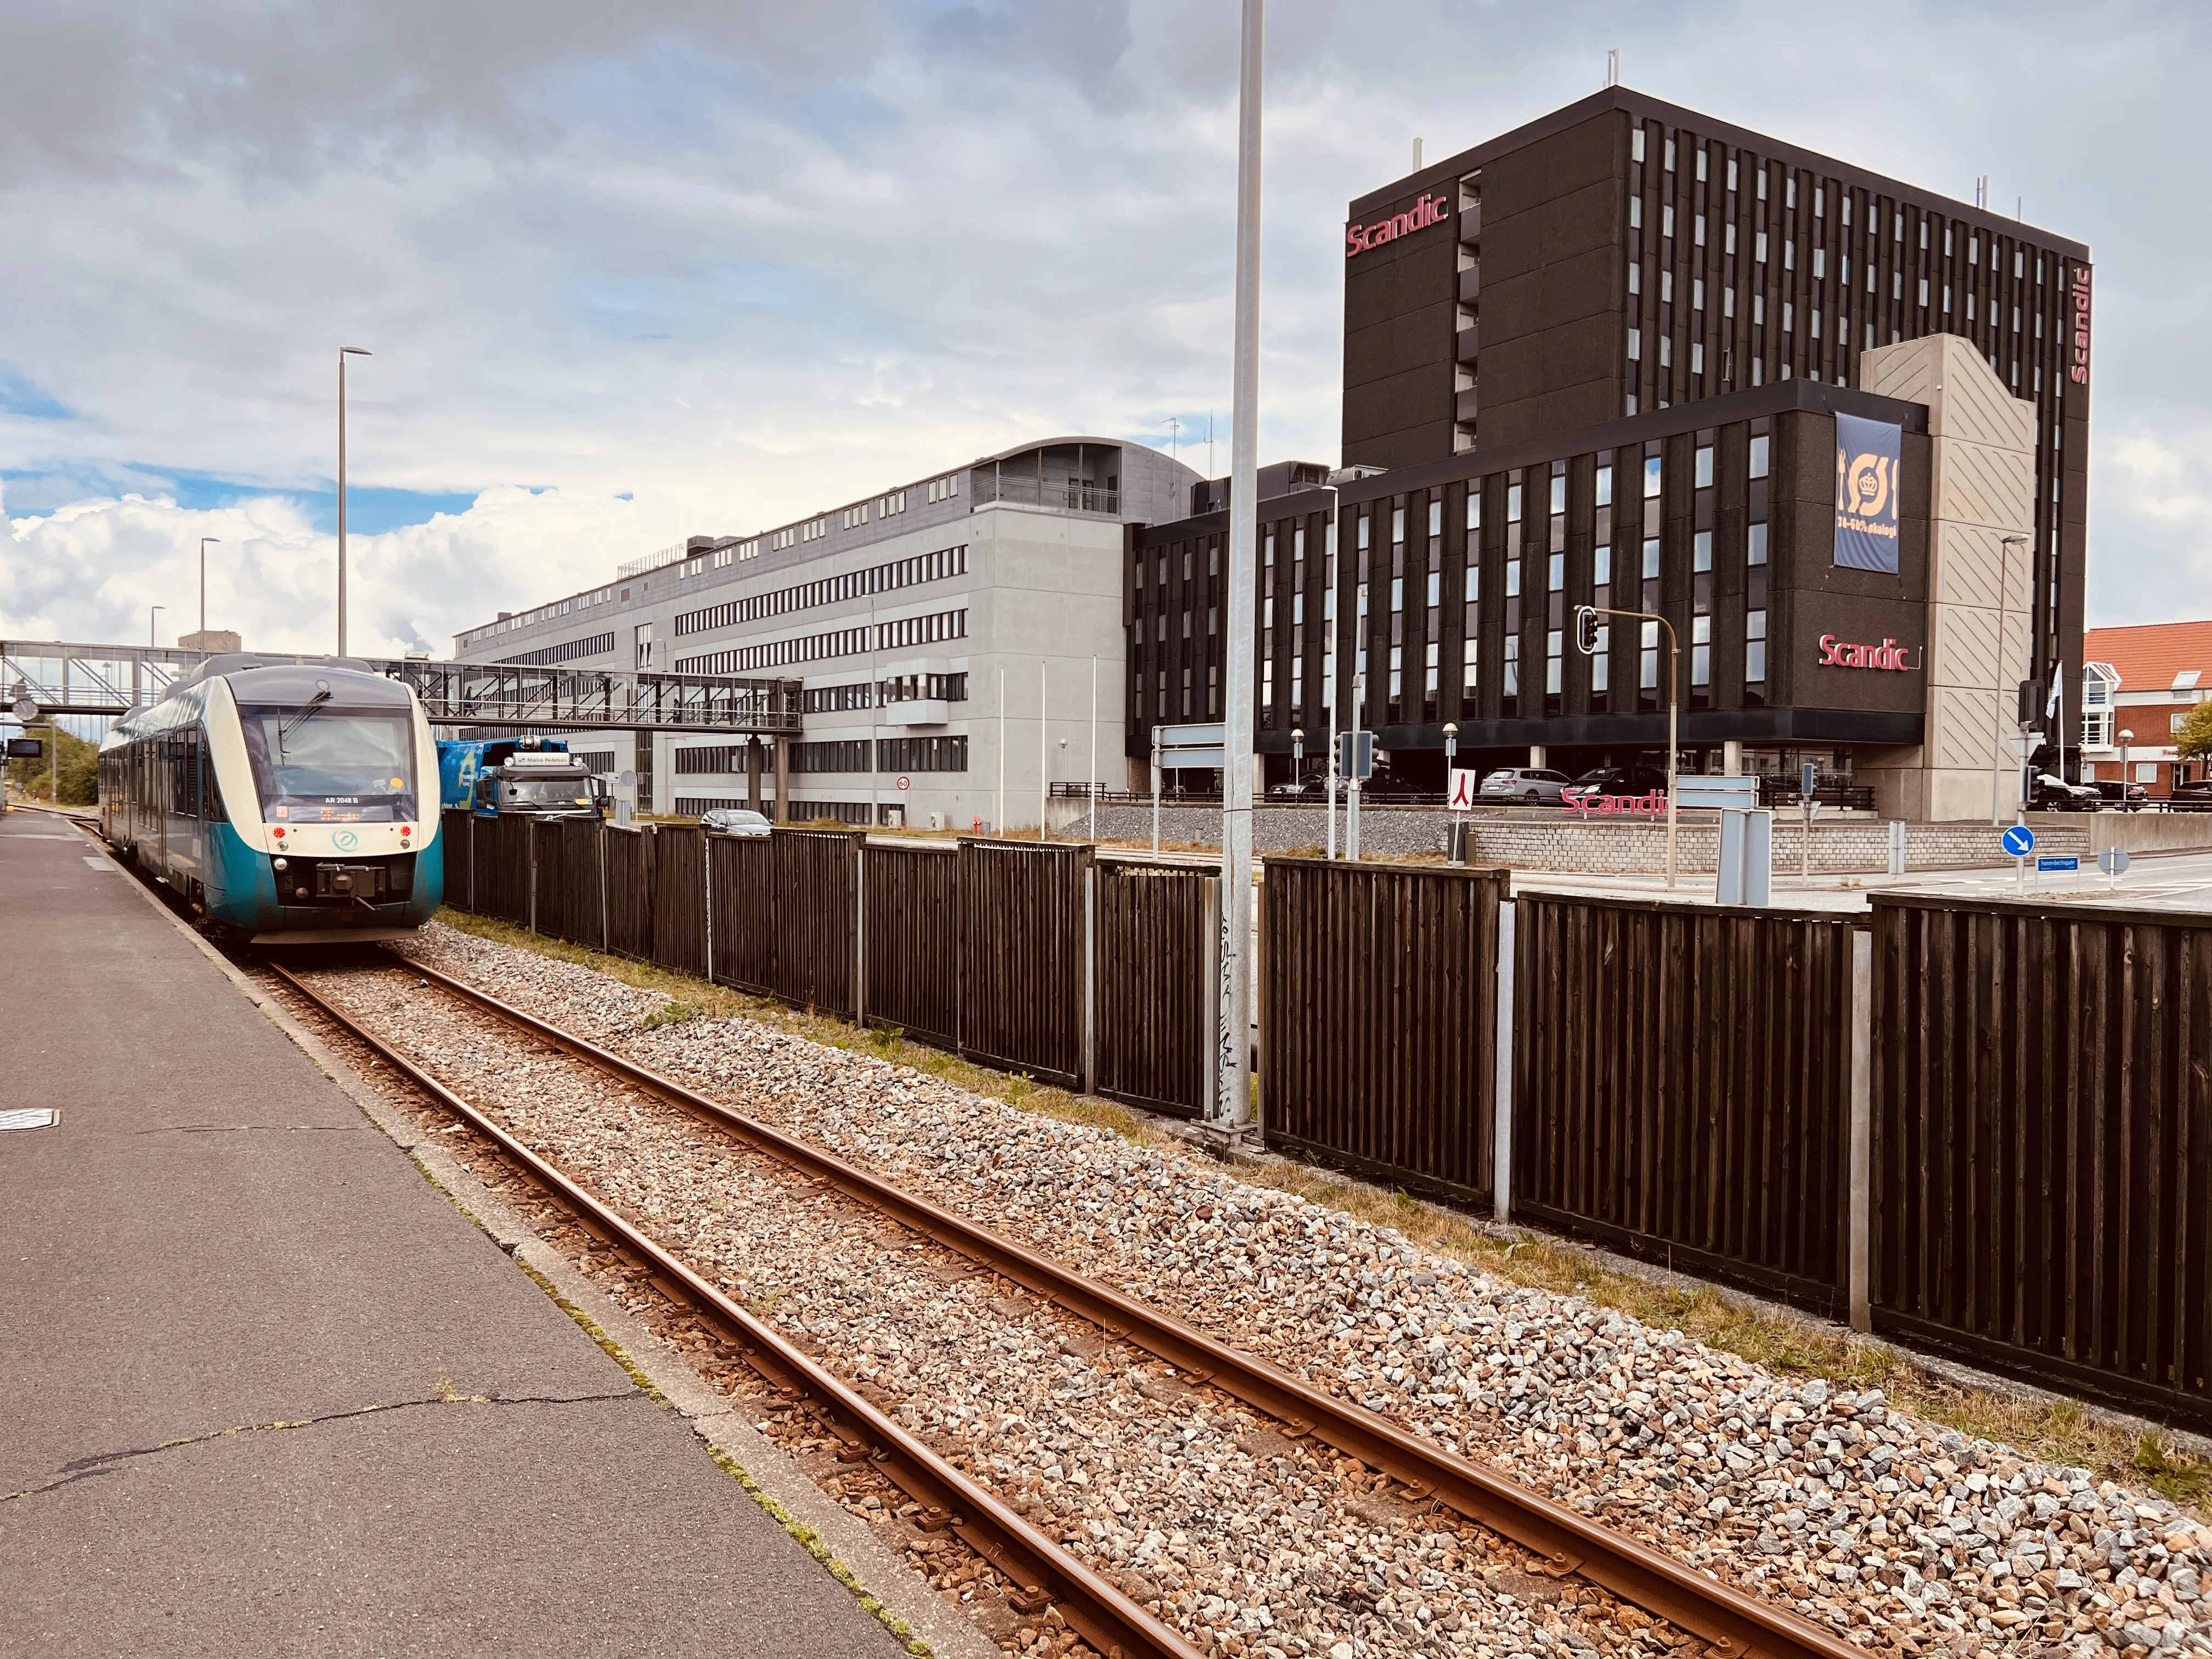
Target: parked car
[(2127, 796), (1312, 788), (1531, 786), (1623, 780), (1385, 785), (2052, 793), (734, 821)]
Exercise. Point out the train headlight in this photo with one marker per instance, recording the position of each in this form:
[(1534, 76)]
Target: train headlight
[(282, 863)]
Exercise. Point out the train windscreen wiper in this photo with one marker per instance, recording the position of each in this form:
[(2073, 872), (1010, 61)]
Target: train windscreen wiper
[(314, 706)]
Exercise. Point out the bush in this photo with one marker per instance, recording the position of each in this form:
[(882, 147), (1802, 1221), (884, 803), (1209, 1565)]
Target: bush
[(79, 768)]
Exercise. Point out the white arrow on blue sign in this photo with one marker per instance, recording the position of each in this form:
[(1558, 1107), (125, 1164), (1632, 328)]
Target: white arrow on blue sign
[(2020, 840)]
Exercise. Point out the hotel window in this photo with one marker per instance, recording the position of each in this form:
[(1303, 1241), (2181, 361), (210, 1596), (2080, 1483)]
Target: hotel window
[(1754, 656), (1729, 242), (1758, 248), (1509, 700), (1636, 212), (1820, 263), (1670, 155), (1471, 614), (1647, 677), (1705, 465), (1636, 145), (1731, 173), (1554, 641), (1635, 345), (1433, 611), (1635, 278), (1701, 655), (1651, 478), (1759, 456), (1698, 229), (1666, 219)]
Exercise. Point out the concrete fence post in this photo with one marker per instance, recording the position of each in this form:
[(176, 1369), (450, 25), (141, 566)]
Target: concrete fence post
[(1501, 1162), (860, 933), (1861, 1233)]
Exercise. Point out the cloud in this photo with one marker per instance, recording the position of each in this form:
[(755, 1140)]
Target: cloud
[(738, 262), (91, 570)]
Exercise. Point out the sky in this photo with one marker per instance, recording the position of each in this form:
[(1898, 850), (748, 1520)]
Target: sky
[(634, 273)]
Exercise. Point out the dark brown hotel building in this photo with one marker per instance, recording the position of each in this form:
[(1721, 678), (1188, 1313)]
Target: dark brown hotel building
[(1597, 360)]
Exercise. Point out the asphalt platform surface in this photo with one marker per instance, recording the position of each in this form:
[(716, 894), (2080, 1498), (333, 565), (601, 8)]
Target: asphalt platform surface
[(267, 1392)]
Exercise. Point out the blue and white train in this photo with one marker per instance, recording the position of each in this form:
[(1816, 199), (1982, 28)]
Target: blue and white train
[(289, 802)]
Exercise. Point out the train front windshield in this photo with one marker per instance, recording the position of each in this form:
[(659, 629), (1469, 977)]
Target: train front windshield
[(314, 764), (546, 793)]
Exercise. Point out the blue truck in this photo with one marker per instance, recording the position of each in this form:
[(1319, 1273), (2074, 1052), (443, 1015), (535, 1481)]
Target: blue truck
[(517, 777)]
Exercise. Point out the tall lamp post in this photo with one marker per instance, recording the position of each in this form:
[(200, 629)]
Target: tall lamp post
[(204, 540), (2127, 737), (344, 352), (150, 610), (1586, 618), (1457, 843), (1232, 1106)]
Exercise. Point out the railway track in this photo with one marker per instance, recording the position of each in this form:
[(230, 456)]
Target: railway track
[(1730, 1621)]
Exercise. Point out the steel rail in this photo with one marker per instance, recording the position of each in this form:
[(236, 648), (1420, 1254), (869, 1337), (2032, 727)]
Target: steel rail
[(1042, 1572), (1735, 1624)]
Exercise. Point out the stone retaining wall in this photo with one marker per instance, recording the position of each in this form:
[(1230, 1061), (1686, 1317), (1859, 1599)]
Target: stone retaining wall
[(1549, 842)]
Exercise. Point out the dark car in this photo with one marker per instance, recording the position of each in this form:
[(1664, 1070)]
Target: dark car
[(2127, 796), (1387, 786), (2052, 793), (1622, 780), (735, 821), (1312, 788)]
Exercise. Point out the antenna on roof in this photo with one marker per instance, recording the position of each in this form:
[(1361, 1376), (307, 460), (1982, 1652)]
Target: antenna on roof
[(1982, 190), (1417, 154), (1612, 67)]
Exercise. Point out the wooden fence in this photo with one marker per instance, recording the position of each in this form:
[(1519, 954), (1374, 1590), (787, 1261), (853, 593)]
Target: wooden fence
[(1157, 948), (1682, 1083), (2024, 1158), (2042, 1143), (1378, 985)]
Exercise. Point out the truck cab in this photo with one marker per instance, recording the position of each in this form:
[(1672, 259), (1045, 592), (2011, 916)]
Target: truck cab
[(524, 777)]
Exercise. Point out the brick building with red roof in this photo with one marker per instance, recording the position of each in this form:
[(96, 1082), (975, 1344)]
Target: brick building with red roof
[(2143, 682)]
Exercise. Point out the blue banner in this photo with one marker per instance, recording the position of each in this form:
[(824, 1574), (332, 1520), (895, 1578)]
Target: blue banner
[(1866, 493)]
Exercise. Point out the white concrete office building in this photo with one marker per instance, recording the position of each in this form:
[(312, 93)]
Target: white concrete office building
[(948, 634)]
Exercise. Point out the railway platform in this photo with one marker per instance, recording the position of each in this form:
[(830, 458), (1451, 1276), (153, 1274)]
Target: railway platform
[(268, 1391)]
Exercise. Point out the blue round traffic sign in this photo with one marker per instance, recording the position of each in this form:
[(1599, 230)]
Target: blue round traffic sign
[(2020, 840)]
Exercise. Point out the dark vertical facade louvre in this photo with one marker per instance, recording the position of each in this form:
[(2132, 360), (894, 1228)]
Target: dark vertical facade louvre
[(502, 869), (743, 919), (1606, 259), (913, 928), (1155, 985), (1022, 930), (814, 886), (1377, 1001), (568, 854), (2043, 1145), (1682, 1086), (1798, 591)]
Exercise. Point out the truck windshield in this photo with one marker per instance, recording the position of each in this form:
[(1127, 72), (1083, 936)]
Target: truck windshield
[(546, 792), (341, 766)]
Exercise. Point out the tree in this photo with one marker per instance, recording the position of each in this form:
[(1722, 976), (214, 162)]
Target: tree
[(2194, 741), (78, 767)]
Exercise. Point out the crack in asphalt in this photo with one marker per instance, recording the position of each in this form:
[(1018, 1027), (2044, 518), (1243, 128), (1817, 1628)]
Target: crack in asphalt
[(244, 1128), (100, 1463)]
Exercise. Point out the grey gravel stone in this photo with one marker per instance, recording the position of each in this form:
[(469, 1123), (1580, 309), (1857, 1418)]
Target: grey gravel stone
[(1852, 1513)]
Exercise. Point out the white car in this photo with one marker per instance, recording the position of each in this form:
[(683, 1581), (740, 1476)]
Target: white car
[(1531, 786)]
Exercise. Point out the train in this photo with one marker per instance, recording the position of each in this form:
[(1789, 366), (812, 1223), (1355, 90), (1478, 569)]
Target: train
[(289, 801)]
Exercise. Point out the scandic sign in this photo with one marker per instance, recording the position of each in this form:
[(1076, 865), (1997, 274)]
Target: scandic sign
[(1889, 654), (1429, 210)]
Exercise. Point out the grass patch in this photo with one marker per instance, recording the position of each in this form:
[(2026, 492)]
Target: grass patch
[(1785, 1343)]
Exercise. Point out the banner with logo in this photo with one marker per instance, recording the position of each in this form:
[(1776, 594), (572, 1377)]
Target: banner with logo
[(1866, 493)]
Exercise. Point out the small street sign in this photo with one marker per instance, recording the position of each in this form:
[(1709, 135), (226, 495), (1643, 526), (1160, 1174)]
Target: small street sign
[(2113, 860), (1463, 787), (27, 748), (1191, 748), (2020, 840), (2058, 861), (906, 783)]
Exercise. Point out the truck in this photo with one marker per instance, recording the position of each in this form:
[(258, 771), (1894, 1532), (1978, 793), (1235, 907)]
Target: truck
[(517, 777)]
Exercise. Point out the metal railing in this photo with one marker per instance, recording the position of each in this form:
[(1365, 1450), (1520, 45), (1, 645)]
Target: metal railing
[(111, 680), (1070, 495)]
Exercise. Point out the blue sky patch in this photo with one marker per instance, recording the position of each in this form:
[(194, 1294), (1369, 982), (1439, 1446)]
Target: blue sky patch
[(19, 397)]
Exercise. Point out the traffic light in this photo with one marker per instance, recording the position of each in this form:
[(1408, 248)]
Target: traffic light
[(2031, 700), (1586, 629)]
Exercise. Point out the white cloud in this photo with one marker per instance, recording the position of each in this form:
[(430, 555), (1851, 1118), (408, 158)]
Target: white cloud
[(90, 571), (743, 261)]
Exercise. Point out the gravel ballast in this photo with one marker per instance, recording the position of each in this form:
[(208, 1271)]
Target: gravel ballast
[(1907, 1537)]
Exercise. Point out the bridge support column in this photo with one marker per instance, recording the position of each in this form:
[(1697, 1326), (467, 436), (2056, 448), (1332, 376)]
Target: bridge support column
[(753, 772), (783, 780)]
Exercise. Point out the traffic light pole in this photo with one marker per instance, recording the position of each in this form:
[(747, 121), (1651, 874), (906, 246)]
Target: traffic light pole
[(1586, 618)]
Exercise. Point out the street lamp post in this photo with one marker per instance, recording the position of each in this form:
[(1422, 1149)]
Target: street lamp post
[(344, 352), (2127, 737), (1451, 755), (150, 610), (204, 540), (1586, 618)]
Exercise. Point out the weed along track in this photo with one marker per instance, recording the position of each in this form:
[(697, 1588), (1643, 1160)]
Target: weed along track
[(1127, 1479)]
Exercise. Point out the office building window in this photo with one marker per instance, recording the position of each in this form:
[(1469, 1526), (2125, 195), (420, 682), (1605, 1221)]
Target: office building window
[(1759, 454), (1701, 653)]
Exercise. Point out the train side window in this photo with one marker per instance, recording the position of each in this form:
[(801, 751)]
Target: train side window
[(210, 791)]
